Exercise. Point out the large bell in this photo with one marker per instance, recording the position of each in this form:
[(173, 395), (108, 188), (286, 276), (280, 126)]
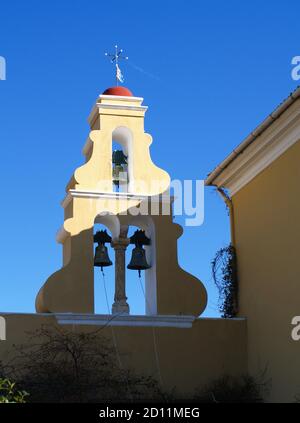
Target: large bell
[(138, 260), (101, 257)]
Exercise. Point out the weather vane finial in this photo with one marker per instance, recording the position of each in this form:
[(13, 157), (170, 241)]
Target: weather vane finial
[(114, 58)]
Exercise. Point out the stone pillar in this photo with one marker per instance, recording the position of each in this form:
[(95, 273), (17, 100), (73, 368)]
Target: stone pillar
[(120, 304)]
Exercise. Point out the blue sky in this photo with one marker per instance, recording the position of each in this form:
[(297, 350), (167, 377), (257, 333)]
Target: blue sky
[(211, 72)]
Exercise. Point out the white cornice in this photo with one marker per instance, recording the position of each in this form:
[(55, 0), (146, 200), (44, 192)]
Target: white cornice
[(73, 193), (113, 103), (180, 321), (100, 106), (121, 98), (261, 152)]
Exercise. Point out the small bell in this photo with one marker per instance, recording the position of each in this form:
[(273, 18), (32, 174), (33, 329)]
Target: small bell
[(138, 260), (101, 257), (119, 174), (119, 161)]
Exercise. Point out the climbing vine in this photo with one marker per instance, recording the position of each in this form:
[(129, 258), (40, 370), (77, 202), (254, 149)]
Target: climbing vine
[(224, 273)]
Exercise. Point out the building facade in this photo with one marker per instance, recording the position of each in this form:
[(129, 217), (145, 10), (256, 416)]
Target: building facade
[(262, 176)]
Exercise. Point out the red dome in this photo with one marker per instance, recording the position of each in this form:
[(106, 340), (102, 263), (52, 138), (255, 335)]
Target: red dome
[(123, 91)]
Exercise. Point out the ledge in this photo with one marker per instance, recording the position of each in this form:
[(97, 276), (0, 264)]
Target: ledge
[(108, 104), (117, 98), (125, 320), (75, 193)]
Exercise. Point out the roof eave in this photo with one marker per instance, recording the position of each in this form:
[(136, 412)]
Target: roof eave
[(211, 178)]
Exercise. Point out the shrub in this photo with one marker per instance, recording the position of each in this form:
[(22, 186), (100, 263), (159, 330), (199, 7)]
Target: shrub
[(229, 389), (9, 393), (58, 365)]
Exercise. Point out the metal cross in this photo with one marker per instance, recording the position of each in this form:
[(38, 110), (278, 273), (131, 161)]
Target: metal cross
[(114, 58)]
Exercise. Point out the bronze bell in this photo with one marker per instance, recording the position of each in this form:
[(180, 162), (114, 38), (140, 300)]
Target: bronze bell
[(101, 257), (138, 260)]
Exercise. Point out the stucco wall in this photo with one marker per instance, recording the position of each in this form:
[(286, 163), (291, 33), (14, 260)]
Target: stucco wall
[(189, 358), (267, 231)]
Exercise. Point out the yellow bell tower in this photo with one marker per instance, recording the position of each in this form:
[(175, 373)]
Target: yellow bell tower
[(143, 200)]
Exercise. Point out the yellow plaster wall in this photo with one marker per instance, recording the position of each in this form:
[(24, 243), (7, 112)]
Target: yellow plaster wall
[(188, 358), (267, 232)]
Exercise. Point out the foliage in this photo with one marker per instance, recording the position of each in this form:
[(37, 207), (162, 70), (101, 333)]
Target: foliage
[(58, 365), (9, 393), (229, 389), (61, 366), (224, 273)]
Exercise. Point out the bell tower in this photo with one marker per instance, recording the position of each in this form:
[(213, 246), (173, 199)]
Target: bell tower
[(119, 189)]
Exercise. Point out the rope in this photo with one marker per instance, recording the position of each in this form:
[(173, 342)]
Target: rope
[(115, 341), (114, 336), (154, 338)]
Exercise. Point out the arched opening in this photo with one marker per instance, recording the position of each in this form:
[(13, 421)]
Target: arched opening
[(104, 280), (140, 291), (135, 280), (145, 297), (122, 164)]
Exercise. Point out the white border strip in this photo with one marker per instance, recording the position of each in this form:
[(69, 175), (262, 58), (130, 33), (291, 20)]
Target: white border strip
[(161, 198), (125, 320), (127, 98)]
